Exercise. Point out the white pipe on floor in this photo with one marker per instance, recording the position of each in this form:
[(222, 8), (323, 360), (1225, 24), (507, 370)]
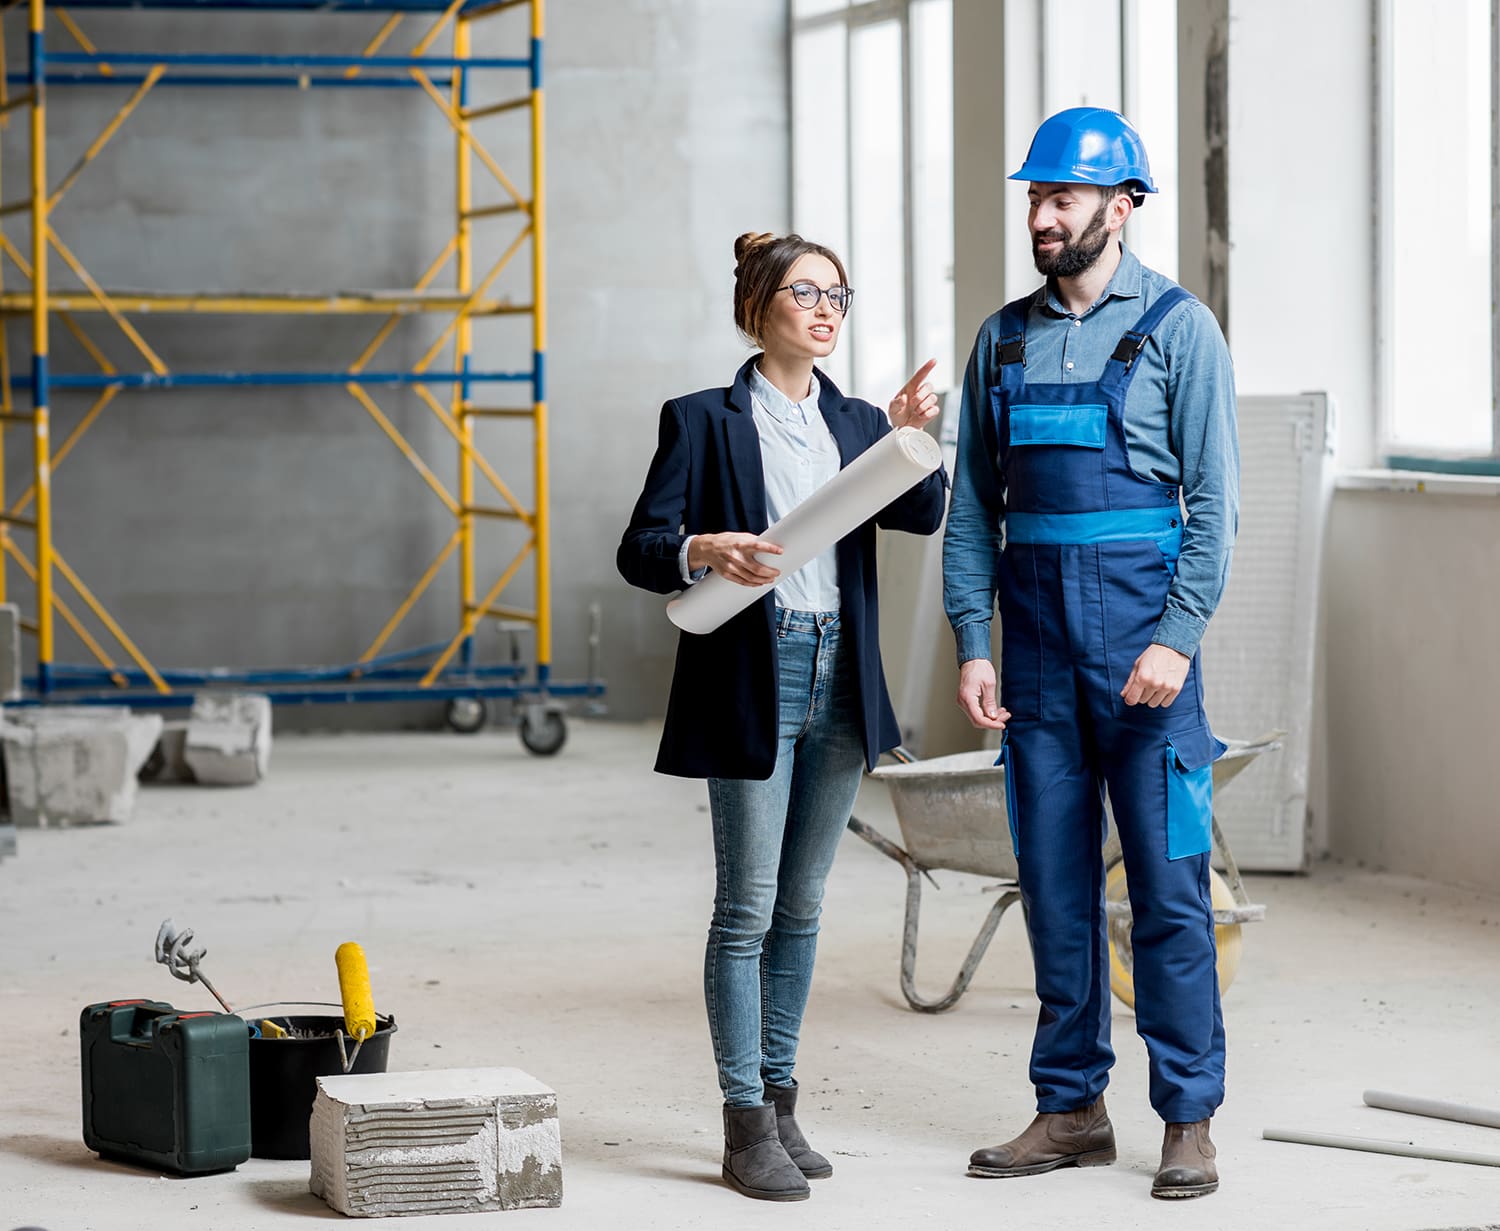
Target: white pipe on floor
[(1405, 1149), (1432, 1107)]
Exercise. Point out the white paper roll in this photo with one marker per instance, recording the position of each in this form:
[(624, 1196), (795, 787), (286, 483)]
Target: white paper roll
[(897, 463)]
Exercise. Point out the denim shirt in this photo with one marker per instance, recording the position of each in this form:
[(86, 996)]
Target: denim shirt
[(1179, 420)]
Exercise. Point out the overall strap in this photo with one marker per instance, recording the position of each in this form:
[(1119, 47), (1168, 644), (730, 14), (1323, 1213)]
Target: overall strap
[(1118, 371), (1010, 347)]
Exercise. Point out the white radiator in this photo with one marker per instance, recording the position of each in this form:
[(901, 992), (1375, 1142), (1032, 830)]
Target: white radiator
[(1259, 654)]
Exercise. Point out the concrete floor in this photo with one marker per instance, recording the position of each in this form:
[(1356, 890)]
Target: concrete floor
[(550, 914)]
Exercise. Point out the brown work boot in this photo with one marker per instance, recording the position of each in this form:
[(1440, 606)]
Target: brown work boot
[(1080, 1138), (1187, 1163)]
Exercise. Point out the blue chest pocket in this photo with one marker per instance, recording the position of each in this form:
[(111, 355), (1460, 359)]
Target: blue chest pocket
[(1081, 427)]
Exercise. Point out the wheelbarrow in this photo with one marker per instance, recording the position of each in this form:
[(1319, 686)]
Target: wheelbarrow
[(952, 815)]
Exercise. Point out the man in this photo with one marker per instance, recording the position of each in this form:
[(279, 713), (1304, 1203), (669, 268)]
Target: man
[(1088, 408)]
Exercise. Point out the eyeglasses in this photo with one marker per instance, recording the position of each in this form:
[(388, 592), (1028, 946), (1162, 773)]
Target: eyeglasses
[(807, 295)]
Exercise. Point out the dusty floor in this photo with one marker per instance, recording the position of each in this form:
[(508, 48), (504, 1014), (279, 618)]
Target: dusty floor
[(549, 914)]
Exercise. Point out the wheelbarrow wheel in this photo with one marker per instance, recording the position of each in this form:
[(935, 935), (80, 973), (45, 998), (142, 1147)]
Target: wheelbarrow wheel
[(1121, 955)]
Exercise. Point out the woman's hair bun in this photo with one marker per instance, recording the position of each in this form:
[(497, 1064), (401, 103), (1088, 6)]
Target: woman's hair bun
[(748, 243)]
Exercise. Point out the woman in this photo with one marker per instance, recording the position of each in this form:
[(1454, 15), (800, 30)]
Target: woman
[(784, 706)]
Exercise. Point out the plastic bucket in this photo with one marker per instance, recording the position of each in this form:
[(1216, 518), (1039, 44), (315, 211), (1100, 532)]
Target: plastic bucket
[(284, 1078)]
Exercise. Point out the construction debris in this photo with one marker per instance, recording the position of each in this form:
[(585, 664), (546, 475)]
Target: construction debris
[(74, 765), (229, 738), (447, 1141)]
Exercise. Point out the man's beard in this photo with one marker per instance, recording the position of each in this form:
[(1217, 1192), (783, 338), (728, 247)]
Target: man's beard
[(1076, 255)]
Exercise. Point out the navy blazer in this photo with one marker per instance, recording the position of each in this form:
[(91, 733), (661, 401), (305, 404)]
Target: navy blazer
[(705, 478)]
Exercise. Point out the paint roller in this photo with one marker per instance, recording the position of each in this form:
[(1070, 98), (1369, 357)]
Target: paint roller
[(354, 991)]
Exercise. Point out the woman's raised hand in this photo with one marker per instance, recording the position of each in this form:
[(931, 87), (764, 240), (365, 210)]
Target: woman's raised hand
[(916, 403), (732, 556)]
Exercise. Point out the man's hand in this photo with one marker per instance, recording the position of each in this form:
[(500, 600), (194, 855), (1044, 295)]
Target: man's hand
[(1157, 677), (976, 695), (732, 556)]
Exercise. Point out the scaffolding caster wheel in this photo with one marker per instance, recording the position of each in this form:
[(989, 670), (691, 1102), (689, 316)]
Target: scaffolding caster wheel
[(466, 715), (543, 730)]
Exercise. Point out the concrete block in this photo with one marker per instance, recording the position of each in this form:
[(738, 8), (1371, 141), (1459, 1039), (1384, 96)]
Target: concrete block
[(446, 1141), (74, 765), (168, 760), (10, 652), (229, 738)]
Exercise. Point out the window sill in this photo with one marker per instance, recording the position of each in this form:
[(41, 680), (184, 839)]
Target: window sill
[(1419, 482)]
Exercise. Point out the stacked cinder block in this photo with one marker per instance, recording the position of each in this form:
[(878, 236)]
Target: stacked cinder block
[(72, 765), (448, 1141), (228, 741), (10, 652)]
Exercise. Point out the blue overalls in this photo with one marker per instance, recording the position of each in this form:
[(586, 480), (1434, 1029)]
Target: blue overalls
[(1090, 551)]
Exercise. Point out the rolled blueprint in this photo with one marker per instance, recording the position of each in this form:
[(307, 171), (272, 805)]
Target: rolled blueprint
[(895, 464)]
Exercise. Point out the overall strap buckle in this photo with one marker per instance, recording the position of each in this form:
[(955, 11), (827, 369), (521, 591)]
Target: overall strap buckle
[(1129, 347), (1010, 347), (1011, 350)]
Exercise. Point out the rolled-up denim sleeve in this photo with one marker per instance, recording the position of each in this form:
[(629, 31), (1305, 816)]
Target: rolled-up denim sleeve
[(976, 512), (1205, 438)]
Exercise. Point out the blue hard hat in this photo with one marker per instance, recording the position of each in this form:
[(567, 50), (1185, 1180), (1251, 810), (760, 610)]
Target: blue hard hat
[(1087, 145)]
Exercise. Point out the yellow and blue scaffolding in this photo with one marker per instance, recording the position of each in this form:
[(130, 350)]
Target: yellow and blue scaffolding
[(446, 670)]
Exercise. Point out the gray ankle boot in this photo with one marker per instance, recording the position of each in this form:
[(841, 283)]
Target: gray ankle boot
[(812, 1164), (755, 1162)]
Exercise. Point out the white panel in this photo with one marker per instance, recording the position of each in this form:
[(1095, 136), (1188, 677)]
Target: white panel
[(1149, 31), (1437, 234), (931, 26), (1258, 656), (1022, 114), (1081, 55), (820, 153), (877, 255)]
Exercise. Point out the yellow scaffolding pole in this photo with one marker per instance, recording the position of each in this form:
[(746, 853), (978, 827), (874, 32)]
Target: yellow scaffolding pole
[(466, 447), (376, 43), (471, 617), (6, 408), (109, 622), (41, 227), (110, 129), (464, 341), (539, 343), (81, 38), (411, 599), (72, 621)]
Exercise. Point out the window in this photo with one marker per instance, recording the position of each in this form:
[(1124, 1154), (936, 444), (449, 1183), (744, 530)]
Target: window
[(1438, 251), (1120, 54), (872, 177)]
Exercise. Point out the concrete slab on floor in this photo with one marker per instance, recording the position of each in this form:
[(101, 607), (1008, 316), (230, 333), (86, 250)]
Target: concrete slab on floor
[(549, 914)]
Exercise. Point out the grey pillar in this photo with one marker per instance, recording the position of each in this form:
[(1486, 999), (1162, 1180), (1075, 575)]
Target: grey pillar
[(1203, 151), (979, 168)]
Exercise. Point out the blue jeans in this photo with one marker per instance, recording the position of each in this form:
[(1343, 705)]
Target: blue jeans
[(774, 842)]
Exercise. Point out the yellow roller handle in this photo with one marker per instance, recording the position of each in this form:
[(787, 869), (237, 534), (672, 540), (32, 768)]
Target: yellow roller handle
[(354, 990)]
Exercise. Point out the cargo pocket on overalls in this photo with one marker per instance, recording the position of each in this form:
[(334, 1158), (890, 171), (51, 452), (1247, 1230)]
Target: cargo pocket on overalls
[(1008, 765), (1190, 790)]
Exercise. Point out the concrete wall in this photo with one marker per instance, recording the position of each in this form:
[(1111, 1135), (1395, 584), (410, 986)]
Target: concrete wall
[(273, 527), (1413, 693)]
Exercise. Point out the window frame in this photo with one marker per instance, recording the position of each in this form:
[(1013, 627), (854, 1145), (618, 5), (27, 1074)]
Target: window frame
[(1394, 455), (854, 15)]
